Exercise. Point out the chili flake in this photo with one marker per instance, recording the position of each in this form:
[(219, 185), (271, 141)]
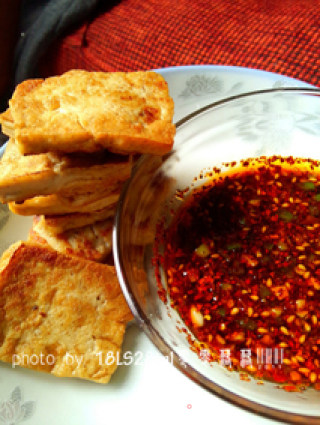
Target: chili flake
[(242, 254)]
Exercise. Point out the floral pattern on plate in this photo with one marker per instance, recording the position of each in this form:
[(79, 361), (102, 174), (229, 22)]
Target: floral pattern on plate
[(253, 125), (13, 411), (191, 88), (202, 85)]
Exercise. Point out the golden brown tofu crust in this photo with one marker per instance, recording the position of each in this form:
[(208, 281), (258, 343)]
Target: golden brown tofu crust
[(23, 177), (53, 304), (92, 242), (89, 111), (55, 224), (65, 203)]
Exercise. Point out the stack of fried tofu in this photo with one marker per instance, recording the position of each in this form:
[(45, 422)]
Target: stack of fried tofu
[(71, 145), (71, 148)]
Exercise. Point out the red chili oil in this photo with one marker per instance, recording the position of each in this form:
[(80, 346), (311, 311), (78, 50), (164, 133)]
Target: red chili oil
[(242, 260)]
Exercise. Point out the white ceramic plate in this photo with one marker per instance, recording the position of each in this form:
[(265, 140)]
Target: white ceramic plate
[(150, 389)]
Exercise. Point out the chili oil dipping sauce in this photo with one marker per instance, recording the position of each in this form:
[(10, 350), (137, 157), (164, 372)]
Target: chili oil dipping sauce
[(242, 265)]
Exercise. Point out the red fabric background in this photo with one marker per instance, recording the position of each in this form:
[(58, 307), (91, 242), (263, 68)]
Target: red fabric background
[(281, 36)]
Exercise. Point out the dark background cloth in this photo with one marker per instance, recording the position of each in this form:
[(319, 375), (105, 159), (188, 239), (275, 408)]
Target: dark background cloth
[(42, 22)]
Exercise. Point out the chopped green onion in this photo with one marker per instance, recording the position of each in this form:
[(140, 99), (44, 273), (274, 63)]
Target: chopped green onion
[(221, 311), (242, 220), (307, 186), (264, 291), (233, 246), (202, 250), (282, 246), (226, 286), (286, 215)]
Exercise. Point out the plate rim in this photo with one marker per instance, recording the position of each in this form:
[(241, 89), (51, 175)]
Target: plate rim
[(229, 68), (226, 394), (243, 71)]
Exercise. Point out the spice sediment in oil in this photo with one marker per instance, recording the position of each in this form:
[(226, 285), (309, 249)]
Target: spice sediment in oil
[(243, 266)]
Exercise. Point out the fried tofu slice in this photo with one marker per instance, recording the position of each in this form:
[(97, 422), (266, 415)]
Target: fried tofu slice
[(7, 124), (65, 203), (56, 307), (23, 177), (55, 224), (89, 111), (92, 242)]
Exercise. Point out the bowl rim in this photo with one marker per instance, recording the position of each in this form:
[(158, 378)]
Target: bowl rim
[(143, 321)]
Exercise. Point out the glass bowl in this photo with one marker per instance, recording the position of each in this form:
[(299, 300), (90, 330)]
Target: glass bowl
[(283, 122)]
